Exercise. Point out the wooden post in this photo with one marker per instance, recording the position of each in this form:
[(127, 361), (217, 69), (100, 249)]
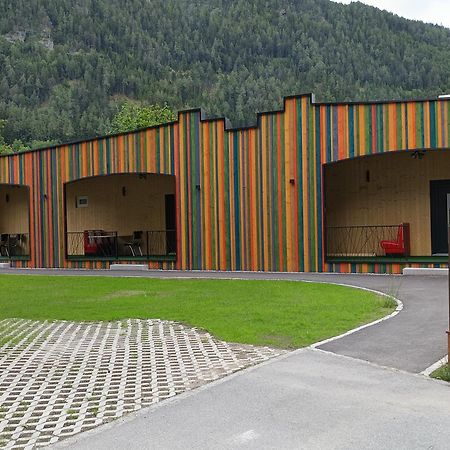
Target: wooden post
[(406, 238), (448, 331)]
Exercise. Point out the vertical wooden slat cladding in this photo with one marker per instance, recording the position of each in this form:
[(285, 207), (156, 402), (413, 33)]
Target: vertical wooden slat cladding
[(247, 199)]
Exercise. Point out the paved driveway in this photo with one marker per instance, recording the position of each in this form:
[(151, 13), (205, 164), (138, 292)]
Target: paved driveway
[(309, 400), (61, 378)]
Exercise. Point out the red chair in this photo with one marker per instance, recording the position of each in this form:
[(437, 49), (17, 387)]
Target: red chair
[(91, 246), (399, 247)]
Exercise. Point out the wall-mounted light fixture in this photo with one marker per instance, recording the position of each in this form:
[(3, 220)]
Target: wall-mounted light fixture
[(418, 154)]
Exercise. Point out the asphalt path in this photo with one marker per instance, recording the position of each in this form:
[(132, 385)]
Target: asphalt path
[(309, 400)]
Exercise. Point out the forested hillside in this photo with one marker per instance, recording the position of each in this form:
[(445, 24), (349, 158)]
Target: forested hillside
[(66, 65)]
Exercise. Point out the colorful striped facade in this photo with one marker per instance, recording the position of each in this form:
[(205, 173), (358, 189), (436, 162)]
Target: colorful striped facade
[(247, 199)]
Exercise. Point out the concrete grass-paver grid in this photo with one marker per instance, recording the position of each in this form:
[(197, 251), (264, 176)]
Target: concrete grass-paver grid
[(60, 378)]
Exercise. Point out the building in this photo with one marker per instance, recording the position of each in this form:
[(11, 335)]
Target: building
[(314, 187)]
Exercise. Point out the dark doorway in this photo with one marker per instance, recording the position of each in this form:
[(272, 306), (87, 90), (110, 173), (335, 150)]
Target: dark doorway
[(171, 224), (440, 203)]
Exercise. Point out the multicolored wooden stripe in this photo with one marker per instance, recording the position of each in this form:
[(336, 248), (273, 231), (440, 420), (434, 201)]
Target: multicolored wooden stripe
[(247, 199)]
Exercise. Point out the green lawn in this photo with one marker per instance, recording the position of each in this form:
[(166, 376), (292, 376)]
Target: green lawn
[(277, 313), (443, 373)]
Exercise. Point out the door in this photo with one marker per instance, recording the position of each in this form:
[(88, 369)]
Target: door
[(171, 224), (440, 215)]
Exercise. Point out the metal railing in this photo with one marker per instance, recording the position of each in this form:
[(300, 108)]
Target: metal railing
[(365, 240), (109, 244), (14, 245)]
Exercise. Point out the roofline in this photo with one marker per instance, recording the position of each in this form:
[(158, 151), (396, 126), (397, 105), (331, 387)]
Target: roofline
[(227, 123)]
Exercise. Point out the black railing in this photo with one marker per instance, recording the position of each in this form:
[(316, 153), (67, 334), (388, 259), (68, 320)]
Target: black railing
[(15, 245), (109, 244), (368, 241)]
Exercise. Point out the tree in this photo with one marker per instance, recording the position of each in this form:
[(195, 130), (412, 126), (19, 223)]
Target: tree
[(5, 149), (132, 116)]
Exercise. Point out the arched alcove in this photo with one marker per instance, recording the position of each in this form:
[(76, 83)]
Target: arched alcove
[(125, 216), (14, 221), (367, 198)]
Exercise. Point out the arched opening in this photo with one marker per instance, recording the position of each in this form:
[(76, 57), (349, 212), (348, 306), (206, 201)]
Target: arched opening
[(14, 222), (367, 200), (126, 216)]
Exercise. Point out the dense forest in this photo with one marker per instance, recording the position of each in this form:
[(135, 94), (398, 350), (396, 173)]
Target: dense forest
[(66, 66)]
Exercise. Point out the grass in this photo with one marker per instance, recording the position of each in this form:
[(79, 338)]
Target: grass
[(93, 411), (443, 373), (7, 338), (72, 414), (277, 313)]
